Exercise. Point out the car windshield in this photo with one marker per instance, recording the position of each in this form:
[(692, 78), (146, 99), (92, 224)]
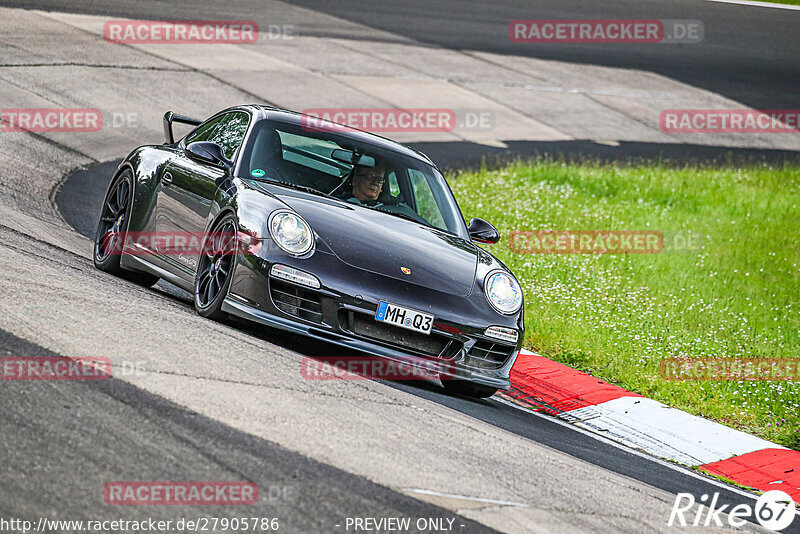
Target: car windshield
[(353, 171)]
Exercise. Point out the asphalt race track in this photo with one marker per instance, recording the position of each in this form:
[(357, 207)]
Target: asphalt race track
[(79, 433), (749, 55), (221, 402)]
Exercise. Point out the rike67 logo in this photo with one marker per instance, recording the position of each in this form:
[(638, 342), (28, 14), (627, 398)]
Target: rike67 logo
[(774, 510)]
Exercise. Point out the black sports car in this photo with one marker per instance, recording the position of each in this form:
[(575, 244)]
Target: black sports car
[(340, 235)]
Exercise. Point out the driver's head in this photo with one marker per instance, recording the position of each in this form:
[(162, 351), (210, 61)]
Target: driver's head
[(368, 182)]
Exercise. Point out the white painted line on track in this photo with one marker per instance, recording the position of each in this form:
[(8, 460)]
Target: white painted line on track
[(758, 4), (463, 497), (666, 432), (670, 465)]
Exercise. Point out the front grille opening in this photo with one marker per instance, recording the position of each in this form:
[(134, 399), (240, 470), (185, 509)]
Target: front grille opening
[(488, 354), (296, 301), (402, 339)]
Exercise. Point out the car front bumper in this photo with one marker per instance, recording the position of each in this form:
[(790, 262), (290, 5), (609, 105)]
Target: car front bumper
[(449, 369), (343, 314)]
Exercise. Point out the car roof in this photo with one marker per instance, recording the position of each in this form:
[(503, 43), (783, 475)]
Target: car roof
[(293, 117)]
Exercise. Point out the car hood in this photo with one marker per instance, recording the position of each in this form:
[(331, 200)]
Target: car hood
[(385, 244)]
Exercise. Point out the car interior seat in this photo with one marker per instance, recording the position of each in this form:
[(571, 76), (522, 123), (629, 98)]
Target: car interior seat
[(267, 154)]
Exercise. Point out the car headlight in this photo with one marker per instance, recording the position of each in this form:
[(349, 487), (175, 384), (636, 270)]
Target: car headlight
[(291, 233), (503, 292)]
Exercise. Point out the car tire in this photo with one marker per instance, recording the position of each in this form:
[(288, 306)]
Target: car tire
[(468, 389), (215, 271), (111, 228)]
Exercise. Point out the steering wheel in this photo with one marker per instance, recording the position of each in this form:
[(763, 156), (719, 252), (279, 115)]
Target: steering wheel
[(388, 201)]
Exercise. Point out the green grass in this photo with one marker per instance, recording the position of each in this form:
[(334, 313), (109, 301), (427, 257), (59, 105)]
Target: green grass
[(790, 2), (736, 293)]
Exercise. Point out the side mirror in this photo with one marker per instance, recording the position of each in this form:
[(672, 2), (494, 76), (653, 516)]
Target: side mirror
[(483, 232), (208, 152)]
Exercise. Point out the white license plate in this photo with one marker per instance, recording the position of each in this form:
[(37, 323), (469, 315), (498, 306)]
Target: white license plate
[(404, 317)]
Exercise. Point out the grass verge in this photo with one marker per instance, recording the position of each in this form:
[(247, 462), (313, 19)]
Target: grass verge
[(789, 2), (726, 284)]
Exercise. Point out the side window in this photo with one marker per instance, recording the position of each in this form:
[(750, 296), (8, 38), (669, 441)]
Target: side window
[(394, 187), (426, 203), (229, 134), (227, 131), (202, 132)]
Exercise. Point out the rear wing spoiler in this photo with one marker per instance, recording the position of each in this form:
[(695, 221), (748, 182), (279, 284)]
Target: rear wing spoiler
[(170, 117)]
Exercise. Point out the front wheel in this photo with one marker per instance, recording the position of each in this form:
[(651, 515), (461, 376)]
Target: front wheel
[(468, 389), (214, 270)]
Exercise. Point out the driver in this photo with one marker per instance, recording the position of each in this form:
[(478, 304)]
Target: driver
[(367, 189), (368, 182)]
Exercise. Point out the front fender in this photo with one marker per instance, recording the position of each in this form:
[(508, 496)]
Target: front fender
[(146, 163), (251, 207)]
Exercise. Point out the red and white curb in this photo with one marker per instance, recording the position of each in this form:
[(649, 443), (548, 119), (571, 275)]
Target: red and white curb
[(644, 424)]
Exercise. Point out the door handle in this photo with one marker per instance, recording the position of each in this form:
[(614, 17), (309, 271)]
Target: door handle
[(166, 179)]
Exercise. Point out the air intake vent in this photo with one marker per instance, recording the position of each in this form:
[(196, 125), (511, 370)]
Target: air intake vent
[(297, 301), (488, 354)]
